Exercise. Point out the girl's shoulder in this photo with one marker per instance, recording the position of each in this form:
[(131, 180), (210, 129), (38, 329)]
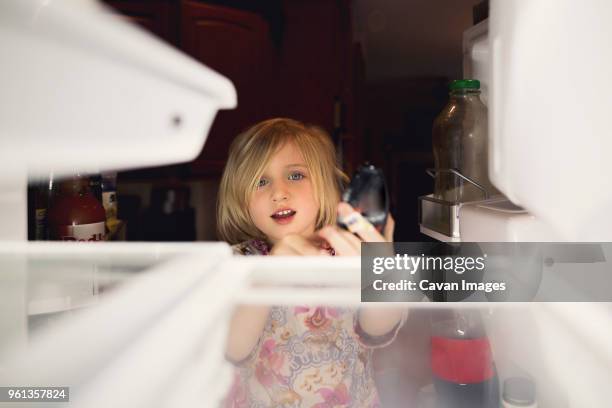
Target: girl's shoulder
[(251, 247)]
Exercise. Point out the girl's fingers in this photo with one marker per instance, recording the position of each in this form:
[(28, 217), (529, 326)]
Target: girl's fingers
[(358, 224), (344, 243), (351, 238)]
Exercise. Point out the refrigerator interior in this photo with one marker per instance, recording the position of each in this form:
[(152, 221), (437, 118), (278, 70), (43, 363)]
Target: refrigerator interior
[(145, 325)]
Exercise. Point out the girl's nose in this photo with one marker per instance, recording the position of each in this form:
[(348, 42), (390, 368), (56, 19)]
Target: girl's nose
[(280, 193)]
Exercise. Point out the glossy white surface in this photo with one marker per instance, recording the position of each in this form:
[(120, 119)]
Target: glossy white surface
[(108, 316), (476, 56), (549, 105), (155, 332), (83, 90), (496, 222)]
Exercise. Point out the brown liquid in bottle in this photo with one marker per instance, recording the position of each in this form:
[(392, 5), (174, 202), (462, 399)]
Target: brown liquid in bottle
[(76, 215), (460, 143)]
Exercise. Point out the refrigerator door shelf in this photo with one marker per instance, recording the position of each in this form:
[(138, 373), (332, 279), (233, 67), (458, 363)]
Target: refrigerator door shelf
[(84, 89), (502, 221), (42, 281), (158, 340), (443, 220), (439, 219), (162, 328)]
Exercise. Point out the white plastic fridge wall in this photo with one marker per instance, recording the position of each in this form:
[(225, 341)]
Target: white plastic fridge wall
[(78, 81), (476, 57), (157, 340), (84, 90), (549, 101)]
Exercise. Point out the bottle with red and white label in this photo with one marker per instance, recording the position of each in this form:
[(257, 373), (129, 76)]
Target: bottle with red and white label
[(464, 373), (76, 215)]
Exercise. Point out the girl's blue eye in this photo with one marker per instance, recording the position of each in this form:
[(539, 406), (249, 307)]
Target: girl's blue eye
[(296, 176), (262, 182)]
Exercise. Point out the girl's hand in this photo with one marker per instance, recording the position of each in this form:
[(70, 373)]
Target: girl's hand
[(345, 242), (373, 321)]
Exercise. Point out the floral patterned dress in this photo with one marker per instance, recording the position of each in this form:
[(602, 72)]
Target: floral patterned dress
[(307, 356)]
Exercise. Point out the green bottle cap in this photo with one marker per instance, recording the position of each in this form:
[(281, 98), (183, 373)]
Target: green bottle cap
[(464, 84)]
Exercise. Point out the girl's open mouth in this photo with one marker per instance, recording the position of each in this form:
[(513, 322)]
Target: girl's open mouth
[(283, 216)]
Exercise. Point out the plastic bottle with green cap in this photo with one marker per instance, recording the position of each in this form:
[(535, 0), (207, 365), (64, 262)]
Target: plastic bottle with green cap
[(460, 144)]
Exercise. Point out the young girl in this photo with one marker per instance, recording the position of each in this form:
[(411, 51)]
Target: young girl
[(280, 195)]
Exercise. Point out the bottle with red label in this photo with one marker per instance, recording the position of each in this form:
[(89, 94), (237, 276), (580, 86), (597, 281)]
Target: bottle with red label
[(463, 369), (76, 215)]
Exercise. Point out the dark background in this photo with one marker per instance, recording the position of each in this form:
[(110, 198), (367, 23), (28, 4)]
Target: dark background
[(374, 74)]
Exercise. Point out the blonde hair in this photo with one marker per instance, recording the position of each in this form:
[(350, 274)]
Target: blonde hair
[(249, 155)]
